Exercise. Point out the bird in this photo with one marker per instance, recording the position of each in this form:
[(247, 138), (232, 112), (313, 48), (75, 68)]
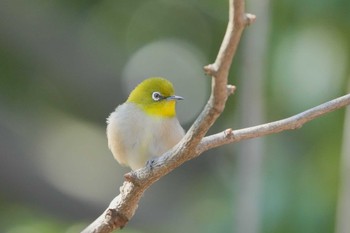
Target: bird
[(146, 125)]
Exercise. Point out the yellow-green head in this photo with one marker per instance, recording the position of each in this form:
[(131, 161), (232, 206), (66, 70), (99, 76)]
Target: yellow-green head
[(156, 97)]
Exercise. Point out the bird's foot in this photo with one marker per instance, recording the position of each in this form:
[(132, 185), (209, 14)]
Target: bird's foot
[(150, 163)]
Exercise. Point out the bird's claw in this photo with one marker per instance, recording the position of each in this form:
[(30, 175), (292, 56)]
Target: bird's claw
[(150, 164)]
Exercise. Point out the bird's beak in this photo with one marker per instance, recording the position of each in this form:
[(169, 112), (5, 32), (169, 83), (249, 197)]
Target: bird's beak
[(174, 97)]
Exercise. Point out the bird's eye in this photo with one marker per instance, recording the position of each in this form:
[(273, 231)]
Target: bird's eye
[(156, 96)]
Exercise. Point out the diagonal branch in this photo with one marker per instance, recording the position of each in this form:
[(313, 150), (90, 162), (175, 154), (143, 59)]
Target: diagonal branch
[(123, 207)]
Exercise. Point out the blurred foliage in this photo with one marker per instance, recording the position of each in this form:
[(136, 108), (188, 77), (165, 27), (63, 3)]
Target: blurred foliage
[(65, 65)]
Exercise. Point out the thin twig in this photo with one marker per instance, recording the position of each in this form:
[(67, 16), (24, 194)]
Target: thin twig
[(293, 122)]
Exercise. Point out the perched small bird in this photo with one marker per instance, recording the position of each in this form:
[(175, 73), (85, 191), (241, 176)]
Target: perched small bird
[(145, 126)]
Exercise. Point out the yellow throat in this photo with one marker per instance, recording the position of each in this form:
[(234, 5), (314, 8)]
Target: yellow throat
[(155, 96)]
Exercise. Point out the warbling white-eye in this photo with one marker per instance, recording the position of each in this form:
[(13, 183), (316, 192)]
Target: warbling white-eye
[(145, 126)]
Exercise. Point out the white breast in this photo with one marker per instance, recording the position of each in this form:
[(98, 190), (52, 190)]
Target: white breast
[(134, 137)]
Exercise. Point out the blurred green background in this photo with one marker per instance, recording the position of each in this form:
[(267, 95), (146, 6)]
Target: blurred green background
[(65, 65)]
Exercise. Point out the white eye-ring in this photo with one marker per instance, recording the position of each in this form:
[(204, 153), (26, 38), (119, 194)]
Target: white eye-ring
[(156, 96)]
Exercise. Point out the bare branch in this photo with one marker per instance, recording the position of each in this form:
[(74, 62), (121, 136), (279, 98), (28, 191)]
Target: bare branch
[(294, 122), (123, 207)]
